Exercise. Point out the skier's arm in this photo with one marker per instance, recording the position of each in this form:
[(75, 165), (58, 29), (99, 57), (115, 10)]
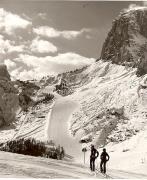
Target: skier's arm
[(108, 157), (101, 155), (97, 153)]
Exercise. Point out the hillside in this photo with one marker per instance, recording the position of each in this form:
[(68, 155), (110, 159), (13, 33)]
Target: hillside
[(109, 112), (112, 114), (104, 104)]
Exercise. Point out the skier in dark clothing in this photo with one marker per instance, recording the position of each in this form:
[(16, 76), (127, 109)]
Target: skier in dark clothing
[(104, 158), (93, 156), (62, 153)]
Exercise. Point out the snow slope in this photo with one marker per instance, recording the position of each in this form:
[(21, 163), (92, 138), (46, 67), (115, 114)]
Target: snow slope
[(113, 87), (132, 154), (16, 165), (58, 127), (22, 166), (84, 115), (110, 87)]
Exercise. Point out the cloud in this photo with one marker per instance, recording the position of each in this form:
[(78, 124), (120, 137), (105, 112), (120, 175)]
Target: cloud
[(10, 22), (132, 6), (42, 46), (49, 65), (19, 40), (16, 73), (12, 48), (10, 64), (42, 15), (24, 75), (7, 46), (53, 33), (135, 7)]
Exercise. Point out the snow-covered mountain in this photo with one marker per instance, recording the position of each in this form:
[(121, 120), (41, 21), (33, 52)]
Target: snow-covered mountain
[(106, 102)]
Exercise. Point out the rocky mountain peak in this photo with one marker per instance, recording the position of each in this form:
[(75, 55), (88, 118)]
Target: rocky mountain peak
[(126, 43)]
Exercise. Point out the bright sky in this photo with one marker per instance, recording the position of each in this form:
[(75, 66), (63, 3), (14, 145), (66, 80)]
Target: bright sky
[(39, 38)]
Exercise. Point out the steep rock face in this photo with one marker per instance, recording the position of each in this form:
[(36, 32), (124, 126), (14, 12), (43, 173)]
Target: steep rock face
[(8, 97), (4, 75), (126, 43)]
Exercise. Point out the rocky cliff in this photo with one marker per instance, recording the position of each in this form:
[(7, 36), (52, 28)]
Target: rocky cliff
[(8, 97), (126, 43)]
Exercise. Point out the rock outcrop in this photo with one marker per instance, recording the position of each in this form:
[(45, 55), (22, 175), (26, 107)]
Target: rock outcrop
[(4, 75), (8, 97), (126, 43), (27, 90)]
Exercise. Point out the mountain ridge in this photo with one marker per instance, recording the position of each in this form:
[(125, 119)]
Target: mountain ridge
[(126, 43)]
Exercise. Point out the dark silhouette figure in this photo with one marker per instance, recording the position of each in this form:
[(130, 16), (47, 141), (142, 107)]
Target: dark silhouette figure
[(58, 150), (62, 153), (104, 158), (93, 156)]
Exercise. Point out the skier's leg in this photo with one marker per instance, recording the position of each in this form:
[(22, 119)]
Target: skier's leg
[(104, 166), (101, 166), (91, 164)]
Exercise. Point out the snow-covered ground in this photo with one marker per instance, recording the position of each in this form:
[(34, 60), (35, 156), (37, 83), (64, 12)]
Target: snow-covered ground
[(111, 86), (16, 165), (58, 130), (114, 86), (131, 154), (22, 166), (84, 114)]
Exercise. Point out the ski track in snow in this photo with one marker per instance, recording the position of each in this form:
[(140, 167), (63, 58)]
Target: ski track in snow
[(19, 166), (14, 165), (58, 127)]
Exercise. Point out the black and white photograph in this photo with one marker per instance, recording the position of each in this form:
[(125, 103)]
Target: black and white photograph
[(73, 89)]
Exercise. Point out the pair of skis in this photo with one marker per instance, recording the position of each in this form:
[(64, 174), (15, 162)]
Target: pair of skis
[(97, 171)]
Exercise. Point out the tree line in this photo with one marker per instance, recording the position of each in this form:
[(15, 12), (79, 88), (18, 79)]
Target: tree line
[(33, 147)]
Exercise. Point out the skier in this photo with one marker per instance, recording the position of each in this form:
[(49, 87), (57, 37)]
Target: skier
[(58, 152), (62, 153), (104, 158), (93, 156)]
